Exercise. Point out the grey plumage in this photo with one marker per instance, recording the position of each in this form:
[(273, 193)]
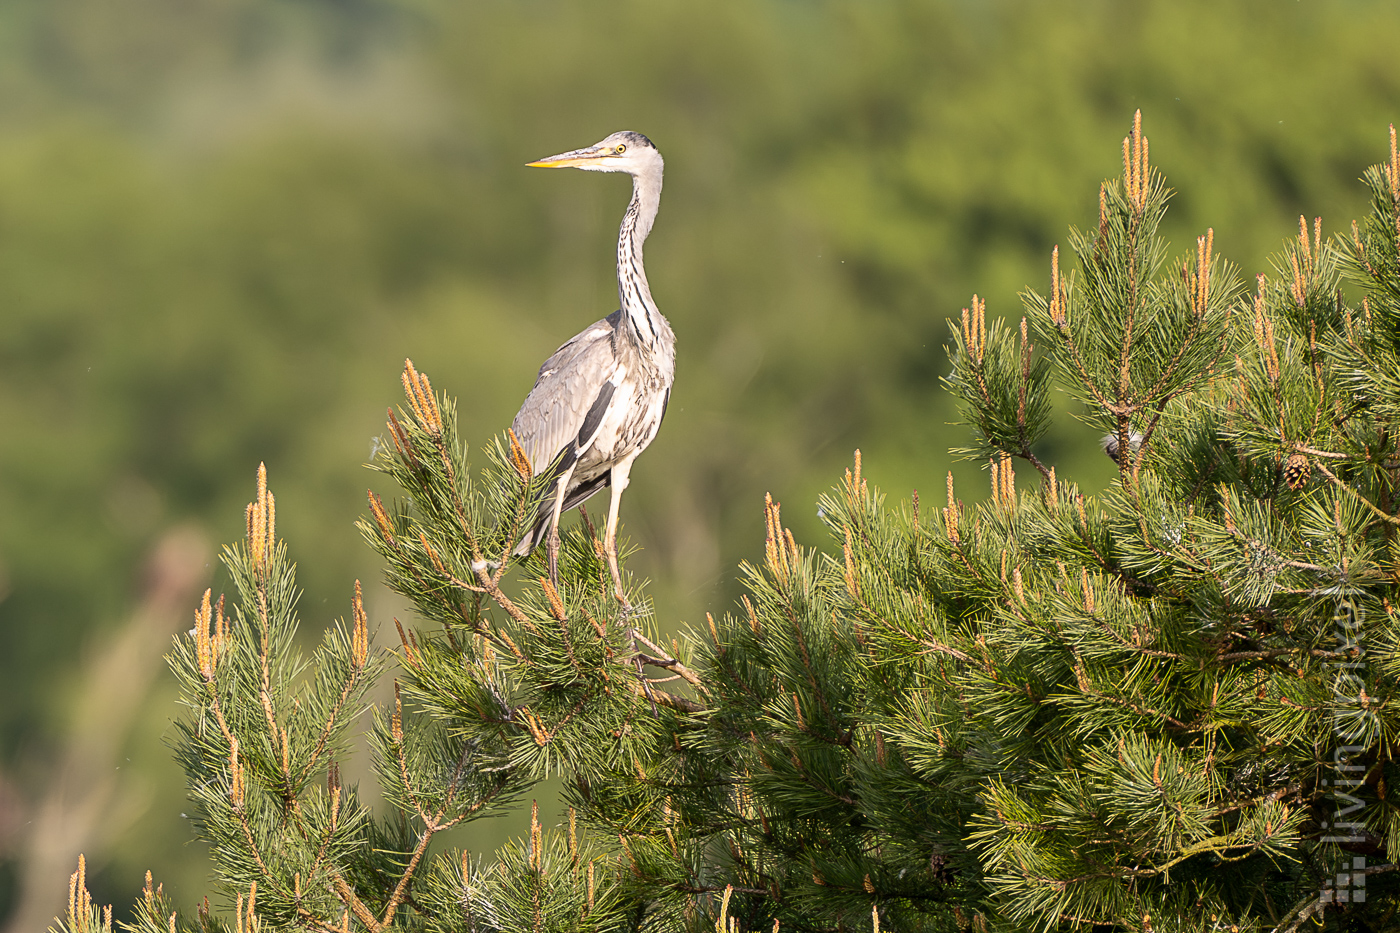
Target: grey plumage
[(599, 399), (1110, 445)]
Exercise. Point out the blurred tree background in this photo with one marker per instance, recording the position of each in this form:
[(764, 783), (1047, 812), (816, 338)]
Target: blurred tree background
[(225, 223)]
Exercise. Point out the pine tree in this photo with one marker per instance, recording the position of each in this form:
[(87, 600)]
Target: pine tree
[(1168, 707)]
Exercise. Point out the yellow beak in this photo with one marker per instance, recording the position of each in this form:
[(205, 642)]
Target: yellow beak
[(578, 157)]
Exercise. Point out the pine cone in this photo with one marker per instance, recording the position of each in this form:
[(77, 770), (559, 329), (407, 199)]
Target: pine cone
[(1296, 470)]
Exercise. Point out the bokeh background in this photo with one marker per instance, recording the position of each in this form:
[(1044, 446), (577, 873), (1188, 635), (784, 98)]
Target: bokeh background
[(225, 223)]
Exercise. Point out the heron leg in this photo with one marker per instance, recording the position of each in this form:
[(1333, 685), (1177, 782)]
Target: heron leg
[(620, 476), (620, 473), (552, 544)]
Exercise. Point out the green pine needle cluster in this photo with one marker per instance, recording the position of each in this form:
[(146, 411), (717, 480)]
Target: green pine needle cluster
[(1169, 707)]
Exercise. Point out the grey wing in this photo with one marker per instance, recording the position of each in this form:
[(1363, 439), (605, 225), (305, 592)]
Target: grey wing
[(571, 393)]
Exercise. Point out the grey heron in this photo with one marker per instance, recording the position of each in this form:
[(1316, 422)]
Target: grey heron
[(599, 400)]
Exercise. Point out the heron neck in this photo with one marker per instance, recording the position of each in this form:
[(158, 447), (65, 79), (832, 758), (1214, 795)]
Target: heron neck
[(633, 290)]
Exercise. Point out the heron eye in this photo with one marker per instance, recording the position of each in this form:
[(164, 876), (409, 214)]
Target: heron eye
[(621, 148)]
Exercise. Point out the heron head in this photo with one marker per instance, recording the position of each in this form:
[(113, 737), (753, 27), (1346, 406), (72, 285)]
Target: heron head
[(624, 151)]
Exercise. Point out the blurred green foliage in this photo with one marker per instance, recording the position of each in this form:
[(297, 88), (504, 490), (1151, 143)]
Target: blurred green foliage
[(224, 224)]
